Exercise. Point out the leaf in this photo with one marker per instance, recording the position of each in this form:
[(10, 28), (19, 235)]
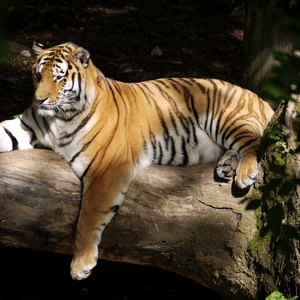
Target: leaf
[(276, 296)]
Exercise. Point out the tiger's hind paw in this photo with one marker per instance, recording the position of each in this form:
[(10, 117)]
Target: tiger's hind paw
[(228, 164), (246, 173)]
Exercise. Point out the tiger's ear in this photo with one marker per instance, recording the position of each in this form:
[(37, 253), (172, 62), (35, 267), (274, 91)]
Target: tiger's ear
[(38, 48), (82, 55)]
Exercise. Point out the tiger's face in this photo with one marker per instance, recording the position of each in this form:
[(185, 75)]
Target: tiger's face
[(60, 80)]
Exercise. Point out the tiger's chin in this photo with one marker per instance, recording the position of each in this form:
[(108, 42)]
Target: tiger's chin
[(47, 112)]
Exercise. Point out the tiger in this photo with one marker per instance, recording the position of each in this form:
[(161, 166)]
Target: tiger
[(108, 131)]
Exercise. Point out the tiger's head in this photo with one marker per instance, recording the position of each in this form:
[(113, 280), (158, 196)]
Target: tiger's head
[(61, 77)]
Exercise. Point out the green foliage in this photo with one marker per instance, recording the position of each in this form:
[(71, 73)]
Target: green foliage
[(277, 136), (279, 296), (285, 80)]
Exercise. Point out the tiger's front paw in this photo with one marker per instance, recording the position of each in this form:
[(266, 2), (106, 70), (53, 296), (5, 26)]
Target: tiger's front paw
[(83, 263), (228, 164)]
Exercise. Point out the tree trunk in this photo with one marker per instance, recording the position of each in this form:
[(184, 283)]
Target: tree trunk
[(275, 249), (178, 219), (262, 37)]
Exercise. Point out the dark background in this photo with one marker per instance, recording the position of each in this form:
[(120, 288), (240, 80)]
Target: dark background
[(197, 39)]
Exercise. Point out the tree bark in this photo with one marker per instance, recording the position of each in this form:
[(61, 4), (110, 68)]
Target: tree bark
[(178, 219), (262, 37), (275, 249)]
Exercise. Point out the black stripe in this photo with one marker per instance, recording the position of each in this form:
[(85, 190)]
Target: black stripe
[(175, 84), (79, 86), (97, 153), (233, 130), (195, 113), (111, 85), (208, 100), (87, 168), (217, 133), (173, 151), (184, 152), (141, 86), (33, 115), (14, 141), (193, 131), (174, 125), (84, 147), (162, 122), (78, 128), (188, 81), (120, 92), (160, 153), (153, 143), (72, 79), (244, 145), (214, 100), (28, 128)]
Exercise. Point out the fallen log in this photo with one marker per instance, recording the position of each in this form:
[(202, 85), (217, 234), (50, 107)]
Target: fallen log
[(174, 218)]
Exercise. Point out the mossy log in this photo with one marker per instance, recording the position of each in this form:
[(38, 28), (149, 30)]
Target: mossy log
[(179, 219)]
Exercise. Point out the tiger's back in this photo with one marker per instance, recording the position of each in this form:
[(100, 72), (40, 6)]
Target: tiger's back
[(187, 121)]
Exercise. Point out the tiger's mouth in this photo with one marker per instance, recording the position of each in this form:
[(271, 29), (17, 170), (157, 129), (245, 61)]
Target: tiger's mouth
[(47, 106), (46, 103), (58, 107)]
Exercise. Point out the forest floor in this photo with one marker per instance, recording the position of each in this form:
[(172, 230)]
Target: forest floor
[(195, 39)]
